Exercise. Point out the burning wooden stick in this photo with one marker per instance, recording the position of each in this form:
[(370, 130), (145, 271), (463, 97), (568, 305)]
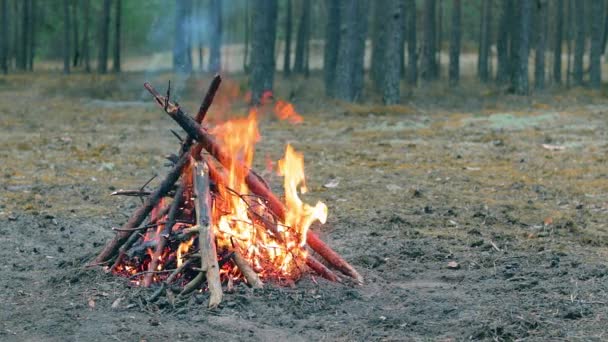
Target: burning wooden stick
[(141, 213), (206, 238), (209, 143), (164, 236), (252, 278)]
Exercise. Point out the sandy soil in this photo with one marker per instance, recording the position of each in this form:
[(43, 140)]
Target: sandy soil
[(462, 223)]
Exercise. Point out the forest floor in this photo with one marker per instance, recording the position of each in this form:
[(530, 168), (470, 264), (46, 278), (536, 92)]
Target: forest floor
[(472, 214)]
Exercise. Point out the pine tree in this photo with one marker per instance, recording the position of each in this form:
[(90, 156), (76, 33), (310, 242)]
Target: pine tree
[(541, 42), (454, 70), (264, 28), (104, 34), (392, 55), (332, 40), (595, 68)]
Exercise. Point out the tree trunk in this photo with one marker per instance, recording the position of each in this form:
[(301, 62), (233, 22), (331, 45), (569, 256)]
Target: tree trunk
[(557, 48), (579, 43), (439, 35), (502, 43), (541, 42), (361, 37), (85, 36), (380, 21), (4, 36), (302, 38), (392, 55), (525, 16), (66, 37), (264, 32), (215, 39), (485, 35), (76, 58), (605, 31), (595, 68), (287, 54), (117, 40), (247, 30), (25, 26), (429, 47), (180, 43), (104, 34), (330, 50), (454, 72), (349, 68), (412, 52), (570, 37), (32, 36)]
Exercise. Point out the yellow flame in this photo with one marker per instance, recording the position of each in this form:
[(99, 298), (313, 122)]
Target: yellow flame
[(299, 215)]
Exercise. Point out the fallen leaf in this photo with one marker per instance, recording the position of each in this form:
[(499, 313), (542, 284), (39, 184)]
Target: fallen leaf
[(453, 265), (116, 303), (554, 147), (471, 168), (332, 183), (91, 303), (548, 221), (393, 187)]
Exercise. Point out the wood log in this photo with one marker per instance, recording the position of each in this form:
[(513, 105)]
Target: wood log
[(206, 238), (210, 144), (321, 269), (252, 278), (142, 212)]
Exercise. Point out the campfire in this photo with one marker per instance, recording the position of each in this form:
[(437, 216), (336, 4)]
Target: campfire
[(213, 221)]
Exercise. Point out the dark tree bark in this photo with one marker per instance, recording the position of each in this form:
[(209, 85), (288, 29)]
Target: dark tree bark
[(32, 35), (514, 41), (503, 42), (247, 30), (541, 42), (454, 71), (379, 35), (485, 34), (570, 38), (117, 39), (104, 38), (215, 39), (15, 50), (525, 16), (86, 56), (66, 37), (557, 47), (359, 57), (439, 35), (76, 57), (349, 66), (605, 31), (264, 30), (330, 51), (302, 38), (392, 55), (579, 43), (412, 52), (595, 68), (378, 40), (287, 54), (429, 47), (181, 62), (25, 27), (4, 36)]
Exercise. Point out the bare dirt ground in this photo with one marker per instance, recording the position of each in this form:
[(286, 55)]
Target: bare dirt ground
[(462, 223)]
